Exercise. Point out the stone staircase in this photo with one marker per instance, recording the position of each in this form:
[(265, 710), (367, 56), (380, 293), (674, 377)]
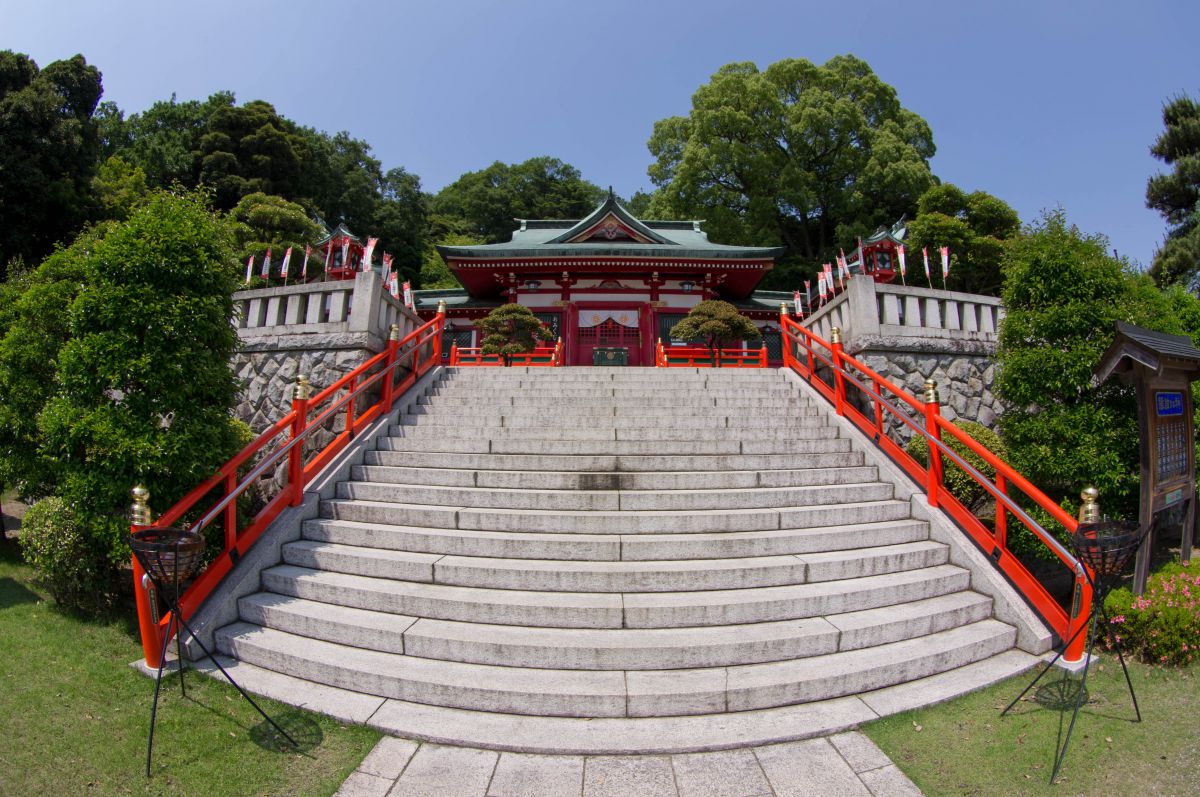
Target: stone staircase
[(603, 560)]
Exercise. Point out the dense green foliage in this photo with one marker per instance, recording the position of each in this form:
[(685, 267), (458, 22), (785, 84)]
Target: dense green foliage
[(67, 560), (511, 329), (272, 222), (1176, 194), (715, 323), (114, 368), (540, 188), (973, 225), (49, 149), (1163, 625), (961, 484), (801, 155), (118, 186), (1063, 294)]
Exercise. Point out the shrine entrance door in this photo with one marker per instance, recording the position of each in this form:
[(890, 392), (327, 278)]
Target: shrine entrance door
[(608, 328)]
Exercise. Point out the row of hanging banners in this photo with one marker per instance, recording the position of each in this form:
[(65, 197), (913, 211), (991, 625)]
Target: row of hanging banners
[(827, 287), (390, 279)]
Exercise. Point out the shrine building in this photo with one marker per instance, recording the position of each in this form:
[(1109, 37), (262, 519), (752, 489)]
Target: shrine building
[(609, 280)]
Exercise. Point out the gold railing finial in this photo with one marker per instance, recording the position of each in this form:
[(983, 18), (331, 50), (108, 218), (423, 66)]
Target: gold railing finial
[(931, 392), (139, 513), (835, 335), (394, 332), (1089, 510), (783, 310), (302, 389), (441, 307)]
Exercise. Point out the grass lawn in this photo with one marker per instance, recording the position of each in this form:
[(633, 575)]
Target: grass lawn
[(965, 747), (75, 716)]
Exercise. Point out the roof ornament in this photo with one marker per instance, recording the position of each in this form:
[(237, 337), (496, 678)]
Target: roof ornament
[(611, 196)]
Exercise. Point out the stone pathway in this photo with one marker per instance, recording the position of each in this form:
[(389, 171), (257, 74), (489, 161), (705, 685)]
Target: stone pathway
[(847, 764)]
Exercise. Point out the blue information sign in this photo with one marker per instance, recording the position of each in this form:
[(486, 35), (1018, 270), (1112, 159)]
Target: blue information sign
[(1168, 402)]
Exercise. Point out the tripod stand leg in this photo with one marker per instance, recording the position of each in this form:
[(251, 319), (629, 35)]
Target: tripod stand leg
[(1045, 669), (1121, 658), (1079, 698), (162, 659), (236, 686)]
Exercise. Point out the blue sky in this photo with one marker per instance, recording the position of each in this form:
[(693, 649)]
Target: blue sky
[(1041, 103)]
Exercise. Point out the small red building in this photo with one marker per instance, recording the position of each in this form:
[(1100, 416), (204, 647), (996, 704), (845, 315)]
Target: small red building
[(609, 280)]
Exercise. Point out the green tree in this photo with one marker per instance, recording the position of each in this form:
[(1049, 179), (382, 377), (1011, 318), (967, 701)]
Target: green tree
[(251, 148), (974, 226), (511, 329), (801, 155), (118, 186), (164, 140), (263, 222), (1176, 194), (142, 386), (400, 221), (716, 323), (49, 148), (539, 188), (1063, 294), (434, 271)]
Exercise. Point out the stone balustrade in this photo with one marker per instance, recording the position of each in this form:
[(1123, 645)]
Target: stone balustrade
[(910, 334)]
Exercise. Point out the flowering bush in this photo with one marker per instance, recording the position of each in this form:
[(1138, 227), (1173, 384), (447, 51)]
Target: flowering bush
[(1163, 625)]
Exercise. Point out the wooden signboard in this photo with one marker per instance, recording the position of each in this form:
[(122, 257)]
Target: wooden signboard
[(1162, 368)]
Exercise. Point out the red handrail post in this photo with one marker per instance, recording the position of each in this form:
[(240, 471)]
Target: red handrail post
[(762, 356), (839, 383), (453, 354), (1081, 599), (1001, 528), (231, 529), (878, 408), (933, 409), (143, 589), (296, 454), (393, 346), (789, 359), (438, 329)]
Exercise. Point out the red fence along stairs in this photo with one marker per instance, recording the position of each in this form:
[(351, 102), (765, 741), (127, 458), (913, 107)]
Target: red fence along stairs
[(619, 560)]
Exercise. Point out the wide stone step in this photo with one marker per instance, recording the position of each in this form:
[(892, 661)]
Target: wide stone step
[(613, 610), (555, 575), (699, 433), (612, 649), (600, 463), (550, 402), (577, 500), (621, 736), (652, 480), (682, 408), (616, 547), (608, 522), (481, 421), (583, 693), (694, 448), (648, 394)]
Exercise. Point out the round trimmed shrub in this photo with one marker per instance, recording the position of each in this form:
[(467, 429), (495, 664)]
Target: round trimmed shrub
[(68, 561), (1163, 625)]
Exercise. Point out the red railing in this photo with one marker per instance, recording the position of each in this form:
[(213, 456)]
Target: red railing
[(542, 356), (416, 353), (700, 357), (831, 372)]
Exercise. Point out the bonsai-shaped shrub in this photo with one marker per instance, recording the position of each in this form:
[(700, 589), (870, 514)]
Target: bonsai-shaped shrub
[(68, 561), (1163, 625), (715, 322), (511, 329)]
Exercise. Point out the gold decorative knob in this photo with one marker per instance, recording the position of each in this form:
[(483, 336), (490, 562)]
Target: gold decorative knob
[(835, 335), (1089, 510), (783, 309), (139, 513), (931, 392), (302, 389), (441, 307), (394, 332)]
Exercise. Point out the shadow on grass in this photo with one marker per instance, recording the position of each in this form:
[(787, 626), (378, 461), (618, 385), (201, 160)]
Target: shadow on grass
[(303, 729), (13, 593)]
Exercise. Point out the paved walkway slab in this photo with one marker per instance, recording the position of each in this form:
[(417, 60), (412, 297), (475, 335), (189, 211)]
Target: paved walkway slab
[(844, 764)]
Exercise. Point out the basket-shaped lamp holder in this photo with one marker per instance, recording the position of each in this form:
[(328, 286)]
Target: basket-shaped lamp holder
[(168, 555), (1107, 546)]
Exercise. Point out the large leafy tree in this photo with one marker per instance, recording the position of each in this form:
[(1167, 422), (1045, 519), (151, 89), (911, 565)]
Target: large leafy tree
[(263, 221), (804, 155), (511, 329), (49, 148), (974, 226), (715, 323), (251, 148), (1176, 194), (1063, 293), (164, 140), (488, 200)]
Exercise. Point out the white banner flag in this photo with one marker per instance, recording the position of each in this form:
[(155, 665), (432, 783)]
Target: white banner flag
[(368, 253), (304, 267), (900, 255), (345, 253), (408, 297), (796, 301), (925, 256), (283, 267), (249, 268), (945, 262), (266, 268)]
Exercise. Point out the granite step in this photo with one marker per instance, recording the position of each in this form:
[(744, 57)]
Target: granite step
[(732, 445), (602, 463), (614, 610)]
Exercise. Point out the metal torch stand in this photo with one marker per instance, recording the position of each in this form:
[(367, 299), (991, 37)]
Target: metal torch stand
[(174, 625), (1101, 586)]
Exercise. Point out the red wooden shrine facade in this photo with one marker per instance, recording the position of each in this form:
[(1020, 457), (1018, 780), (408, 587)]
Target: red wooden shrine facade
[(607, 281)]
